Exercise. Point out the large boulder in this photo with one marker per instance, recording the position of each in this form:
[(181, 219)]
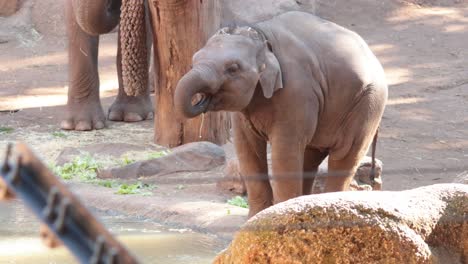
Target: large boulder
[(423, 225), (196, 156)]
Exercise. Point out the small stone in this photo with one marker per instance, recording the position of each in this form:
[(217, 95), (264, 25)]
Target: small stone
[(462, 178)]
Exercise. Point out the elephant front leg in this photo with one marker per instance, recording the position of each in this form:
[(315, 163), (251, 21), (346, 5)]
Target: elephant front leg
[(251, 152), (130, 108), (84, 110), (287, 157)]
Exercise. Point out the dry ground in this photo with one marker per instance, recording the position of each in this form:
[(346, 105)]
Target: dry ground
[(423, 46)]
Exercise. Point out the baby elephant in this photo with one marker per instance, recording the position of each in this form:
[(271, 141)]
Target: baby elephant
[(308, 86)]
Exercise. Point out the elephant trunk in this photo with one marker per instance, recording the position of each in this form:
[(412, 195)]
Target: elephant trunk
[(97, 17), (192, 83)]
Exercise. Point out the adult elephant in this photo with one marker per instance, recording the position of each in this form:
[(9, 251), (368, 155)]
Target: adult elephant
[(86, 20), (308, 86)]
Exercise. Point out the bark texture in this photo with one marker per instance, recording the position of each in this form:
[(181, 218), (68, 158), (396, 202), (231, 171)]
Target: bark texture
[(181, 27)]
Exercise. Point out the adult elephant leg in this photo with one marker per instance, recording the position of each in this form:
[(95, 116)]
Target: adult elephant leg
[(251, 152), (312, 160), (133, 101), (84, 110)]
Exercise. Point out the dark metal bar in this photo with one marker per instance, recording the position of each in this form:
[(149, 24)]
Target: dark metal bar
[(62, 213)]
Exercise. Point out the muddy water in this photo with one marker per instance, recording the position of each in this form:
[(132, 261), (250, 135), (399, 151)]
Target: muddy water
[(150, 242)]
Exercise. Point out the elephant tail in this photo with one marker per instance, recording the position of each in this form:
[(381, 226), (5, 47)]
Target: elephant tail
[(374, 146)]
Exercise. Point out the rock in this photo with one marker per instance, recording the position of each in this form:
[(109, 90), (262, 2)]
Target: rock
[(232, 180), (462, 178), (114, 150), (362, 179), (8, 7), (423, 225), (197, 156), (251, 11)]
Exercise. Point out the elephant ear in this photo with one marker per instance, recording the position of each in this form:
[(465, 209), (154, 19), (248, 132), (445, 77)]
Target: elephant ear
[(270, 71)]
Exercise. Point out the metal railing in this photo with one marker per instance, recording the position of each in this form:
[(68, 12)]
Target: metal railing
[(65, 220)]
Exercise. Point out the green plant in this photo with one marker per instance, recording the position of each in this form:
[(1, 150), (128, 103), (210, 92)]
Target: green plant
[(158, 154), (238, 201), (59, 134), (180, 187), (106, 183), (126, 160), (85, 167), (136, 188), (6, 130)]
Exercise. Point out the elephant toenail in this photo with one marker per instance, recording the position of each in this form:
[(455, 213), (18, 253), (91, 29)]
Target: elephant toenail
[(132, 117), (83, 126), (115, 116), (99, 125), (67, 125)]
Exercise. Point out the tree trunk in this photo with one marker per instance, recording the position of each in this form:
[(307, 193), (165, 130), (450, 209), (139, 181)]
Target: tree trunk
[(181, 27)]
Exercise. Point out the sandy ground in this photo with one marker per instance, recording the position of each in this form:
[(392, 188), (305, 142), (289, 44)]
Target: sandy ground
[(423, 137)]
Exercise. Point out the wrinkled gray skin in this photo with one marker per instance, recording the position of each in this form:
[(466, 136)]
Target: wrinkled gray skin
[(85, 21), (311, 89)]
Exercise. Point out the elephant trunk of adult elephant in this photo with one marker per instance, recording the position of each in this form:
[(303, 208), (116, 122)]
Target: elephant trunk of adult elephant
[(191, 84), (97, 17)]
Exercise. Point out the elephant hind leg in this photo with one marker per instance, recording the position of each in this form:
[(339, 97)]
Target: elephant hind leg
[(341, 168), (312, 160), (357, 136), (340, 173)]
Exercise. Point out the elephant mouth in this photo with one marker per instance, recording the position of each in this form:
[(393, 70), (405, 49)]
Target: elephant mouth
[(201, 101)]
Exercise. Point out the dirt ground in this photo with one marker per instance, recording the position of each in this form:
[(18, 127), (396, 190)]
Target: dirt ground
[(423, 137)]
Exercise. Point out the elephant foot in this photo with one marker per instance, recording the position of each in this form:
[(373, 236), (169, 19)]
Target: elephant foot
[(84, 116), (131, 108)]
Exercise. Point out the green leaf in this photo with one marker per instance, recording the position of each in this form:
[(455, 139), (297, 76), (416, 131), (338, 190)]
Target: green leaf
[(238, 201), (158, 154), (6, 130), (59, 134)]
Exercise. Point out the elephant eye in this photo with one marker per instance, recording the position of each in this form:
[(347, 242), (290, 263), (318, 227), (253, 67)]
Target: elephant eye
[(233, 68)]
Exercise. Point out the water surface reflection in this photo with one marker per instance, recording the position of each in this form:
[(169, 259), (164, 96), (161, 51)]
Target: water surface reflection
[(150, 242)]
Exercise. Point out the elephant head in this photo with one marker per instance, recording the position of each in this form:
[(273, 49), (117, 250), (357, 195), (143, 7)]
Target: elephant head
[(226, 72)]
